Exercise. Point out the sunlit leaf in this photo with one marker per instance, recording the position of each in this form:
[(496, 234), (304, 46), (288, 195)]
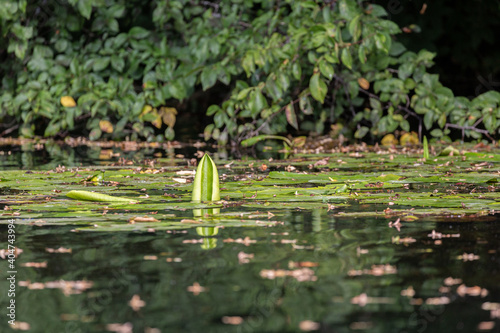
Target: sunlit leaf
[(389, 140), (68, 101), (363, 83), (106, 126)]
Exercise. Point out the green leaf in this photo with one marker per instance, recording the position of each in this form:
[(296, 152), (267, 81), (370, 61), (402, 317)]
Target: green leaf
[(100, 64), (406, 70), (258, 103), (52, 128), (208, 77), (290, 116), (206, 181), (117, 63), (442, 120), (93, 196), (177, 90), (138, 33), (243, 94), (296, 70), (318, 88), (212, 109), (426, 148), (348, 9), (169, 133), (207, 133), (437, 133), (355, 28), (85, 8), (253, 140), (95, 134), (346, 58), (326, 69), (305, 105), (428, 119), (248, 64), (383, 42), (361, 132)]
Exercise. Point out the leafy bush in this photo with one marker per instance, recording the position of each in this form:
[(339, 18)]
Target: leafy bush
[(117, 69)]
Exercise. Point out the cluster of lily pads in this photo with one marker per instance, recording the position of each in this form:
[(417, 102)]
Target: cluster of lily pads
[(255, 192)]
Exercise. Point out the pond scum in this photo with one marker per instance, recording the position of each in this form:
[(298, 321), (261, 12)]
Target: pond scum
[(396, 186)]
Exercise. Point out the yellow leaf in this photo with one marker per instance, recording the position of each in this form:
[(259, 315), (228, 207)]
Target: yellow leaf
[(106, 126), (299, 141), (146, 109), (409, 139), (363, 83), (168, 115), (157, 122), (389, 140), (68, 101)]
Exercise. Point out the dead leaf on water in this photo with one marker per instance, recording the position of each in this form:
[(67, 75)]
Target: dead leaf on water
[(232, 320), (59, 250), (120, 328), (20, 325), (144, 218), (136, 303), (196, 289), (35, 264), (309, 325)]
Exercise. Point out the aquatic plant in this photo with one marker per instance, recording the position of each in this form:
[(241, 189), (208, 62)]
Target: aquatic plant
[(93, 196), (206, 181), (426, 148)]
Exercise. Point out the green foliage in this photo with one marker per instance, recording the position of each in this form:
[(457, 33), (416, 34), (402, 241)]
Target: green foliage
[(288, 65)]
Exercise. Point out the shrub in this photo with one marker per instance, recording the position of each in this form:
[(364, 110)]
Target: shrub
[(116, 69)]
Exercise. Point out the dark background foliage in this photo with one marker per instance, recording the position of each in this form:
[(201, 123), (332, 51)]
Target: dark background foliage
[(160, 70), (463, 34)]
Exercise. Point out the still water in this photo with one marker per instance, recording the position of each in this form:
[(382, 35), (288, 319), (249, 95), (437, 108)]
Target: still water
[(313, 272)]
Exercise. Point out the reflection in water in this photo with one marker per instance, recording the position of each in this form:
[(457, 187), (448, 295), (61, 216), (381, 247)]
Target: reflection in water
[(208, 243), (312, 272)]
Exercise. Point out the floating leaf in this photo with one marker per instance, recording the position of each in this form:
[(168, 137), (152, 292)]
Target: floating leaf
[(449, 151), (93, 196), (206, 181), (68, 102)]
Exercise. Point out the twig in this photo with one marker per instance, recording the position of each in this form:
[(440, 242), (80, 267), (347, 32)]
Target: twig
[(472, 128), (8, 130)]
